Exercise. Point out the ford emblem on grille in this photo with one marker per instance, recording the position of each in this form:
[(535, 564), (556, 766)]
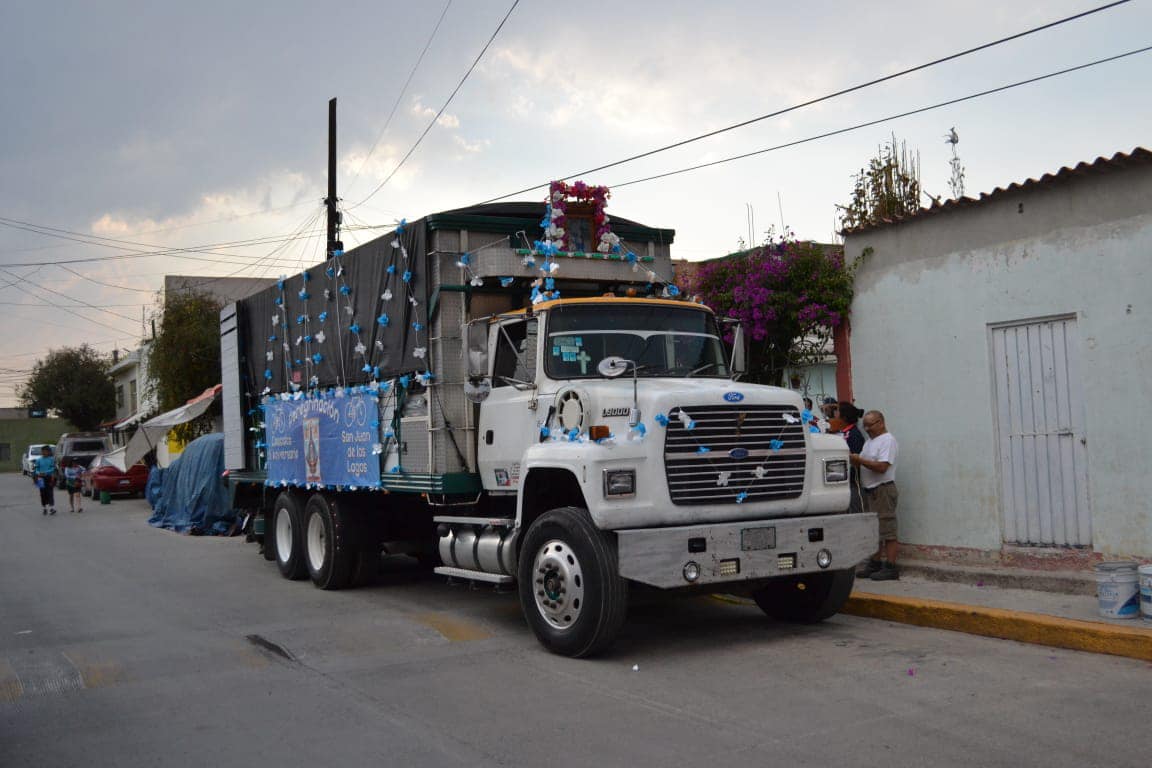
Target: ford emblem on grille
[(738, 453), (733, 397)]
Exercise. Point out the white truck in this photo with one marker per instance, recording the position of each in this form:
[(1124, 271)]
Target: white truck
[(522, 415)]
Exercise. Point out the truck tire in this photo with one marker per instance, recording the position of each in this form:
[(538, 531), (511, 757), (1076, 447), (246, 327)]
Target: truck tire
[(330, 542), (808, 598), (288, 534), (570, 587)]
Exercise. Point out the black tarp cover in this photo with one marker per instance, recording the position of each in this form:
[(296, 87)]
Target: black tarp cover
[(342, 292)]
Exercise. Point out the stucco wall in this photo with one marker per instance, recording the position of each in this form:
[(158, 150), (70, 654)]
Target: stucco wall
[(20, 433), (925, 297)]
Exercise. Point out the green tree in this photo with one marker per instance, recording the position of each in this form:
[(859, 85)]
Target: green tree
[(887, 189), (184, 358), (789, 296), (74, 382)]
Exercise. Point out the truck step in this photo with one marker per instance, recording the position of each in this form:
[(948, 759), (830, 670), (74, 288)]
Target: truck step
[(496, 522), (463, 573)]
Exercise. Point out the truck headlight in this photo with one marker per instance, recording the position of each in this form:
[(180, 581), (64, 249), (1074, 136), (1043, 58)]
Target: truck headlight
[(619, 483), (835, 470)]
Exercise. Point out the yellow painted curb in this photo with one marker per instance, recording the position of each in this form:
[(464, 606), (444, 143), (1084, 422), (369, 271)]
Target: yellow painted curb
[(1037, 628)]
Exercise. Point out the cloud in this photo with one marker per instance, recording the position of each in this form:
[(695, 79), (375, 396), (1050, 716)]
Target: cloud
[(359, 168), (649, 98), (446, 120), (472, 147)]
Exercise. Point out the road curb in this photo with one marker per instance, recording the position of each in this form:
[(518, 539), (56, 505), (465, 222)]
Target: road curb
[(1036, 628)]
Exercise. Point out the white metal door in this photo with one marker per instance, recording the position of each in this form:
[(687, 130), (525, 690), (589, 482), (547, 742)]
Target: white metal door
[(1040, 433), (508, 416)]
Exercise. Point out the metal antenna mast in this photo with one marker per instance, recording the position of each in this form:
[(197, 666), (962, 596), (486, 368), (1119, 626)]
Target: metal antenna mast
[(334, 245)]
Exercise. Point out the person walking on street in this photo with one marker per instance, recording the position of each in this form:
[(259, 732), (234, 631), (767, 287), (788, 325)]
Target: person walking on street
[(44, 472), (72, 471), (877, 463)]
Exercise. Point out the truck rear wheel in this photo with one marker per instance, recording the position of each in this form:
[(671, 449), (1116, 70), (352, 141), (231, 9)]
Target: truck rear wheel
[(807, 598), (570, 587), (288, 534), (330, 542)]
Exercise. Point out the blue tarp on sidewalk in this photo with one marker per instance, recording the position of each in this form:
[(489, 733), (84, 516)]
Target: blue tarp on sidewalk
[(190, 496)]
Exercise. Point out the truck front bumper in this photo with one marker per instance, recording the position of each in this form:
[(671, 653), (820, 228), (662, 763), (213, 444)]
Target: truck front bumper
[(745, 551)]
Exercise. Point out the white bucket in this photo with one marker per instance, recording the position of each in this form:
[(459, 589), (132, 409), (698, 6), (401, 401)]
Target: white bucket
[(1146, 592), (1117, 590)]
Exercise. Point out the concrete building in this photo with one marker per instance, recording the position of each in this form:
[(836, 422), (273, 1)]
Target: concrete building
[(1005, 340), (17, 432), (226, 289)]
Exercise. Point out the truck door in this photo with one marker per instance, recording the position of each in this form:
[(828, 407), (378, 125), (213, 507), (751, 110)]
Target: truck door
[(508, 416)]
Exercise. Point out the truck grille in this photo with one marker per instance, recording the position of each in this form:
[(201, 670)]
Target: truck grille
[(739, 441)]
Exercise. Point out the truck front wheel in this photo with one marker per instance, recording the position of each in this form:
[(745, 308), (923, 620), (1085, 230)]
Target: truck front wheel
[(288, 534), (570, 587), (807, 598)]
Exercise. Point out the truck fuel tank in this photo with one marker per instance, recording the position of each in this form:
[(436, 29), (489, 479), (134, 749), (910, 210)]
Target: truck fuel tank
[(478, 544)]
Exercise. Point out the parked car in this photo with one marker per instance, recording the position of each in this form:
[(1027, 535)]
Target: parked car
[(81, 447), (101, 475), (27, 464)]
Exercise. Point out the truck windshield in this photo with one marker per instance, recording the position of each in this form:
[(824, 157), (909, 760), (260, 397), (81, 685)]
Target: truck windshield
[(663, 340)]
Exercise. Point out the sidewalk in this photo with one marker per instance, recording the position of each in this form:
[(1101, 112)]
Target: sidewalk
[(997, 603)]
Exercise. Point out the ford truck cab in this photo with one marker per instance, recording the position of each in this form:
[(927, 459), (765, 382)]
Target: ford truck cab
[(635, 454)]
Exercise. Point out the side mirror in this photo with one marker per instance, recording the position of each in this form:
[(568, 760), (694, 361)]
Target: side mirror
[(477, 349), (739, 351)]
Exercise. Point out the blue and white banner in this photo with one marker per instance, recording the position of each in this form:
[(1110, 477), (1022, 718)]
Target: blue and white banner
[(324, 441)]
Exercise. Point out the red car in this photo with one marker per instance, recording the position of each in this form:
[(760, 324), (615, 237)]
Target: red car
[(102, 476)]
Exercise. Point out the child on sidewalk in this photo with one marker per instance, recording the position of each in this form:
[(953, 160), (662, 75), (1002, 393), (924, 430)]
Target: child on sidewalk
[(72, 471)]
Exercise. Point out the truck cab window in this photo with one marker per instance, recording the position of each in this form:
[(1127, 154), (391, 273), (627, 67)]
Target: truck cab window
[(515, 353)]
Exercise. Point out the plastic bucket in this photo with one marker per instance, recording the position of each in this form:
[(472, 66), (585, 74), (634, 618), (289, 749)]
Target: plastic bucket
[(1118, 590), (105, 497), (1145, 572)]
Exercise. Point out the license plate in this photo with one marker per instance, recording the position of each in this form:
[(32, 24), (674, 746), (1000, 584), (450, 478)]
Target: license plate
[(125, 482), (752, 539)]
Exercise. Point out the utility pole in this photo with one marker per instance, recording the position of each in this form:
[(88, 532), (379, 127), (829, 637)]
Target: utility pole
[(335, 247)]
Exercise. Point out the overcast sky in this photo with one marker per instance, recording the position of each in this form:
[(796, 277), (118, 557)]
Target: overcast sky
[(185, 124)]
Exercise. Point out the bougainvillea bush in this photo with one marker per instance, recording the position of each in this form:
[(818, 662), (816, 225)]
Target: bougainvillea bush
[(788, 295)]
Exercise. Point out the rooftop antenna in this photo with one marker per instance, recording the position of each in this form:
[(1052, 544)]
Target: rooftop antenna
[(780, 207)]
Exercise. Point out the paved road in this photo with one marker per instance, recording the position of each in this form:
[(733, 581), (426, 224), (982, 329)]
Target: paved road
[(124, 645)]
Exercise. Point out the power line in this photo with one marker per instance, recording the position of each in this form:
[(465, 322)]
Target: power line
[(451, 96), (268, 260), (403, 90), (870, 123), (24, 280), (81, 302), (39, 306), (107, 285), (90, 239), (818, 100), (175, 228), (308, 222), (107, 242), (71, 311)]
